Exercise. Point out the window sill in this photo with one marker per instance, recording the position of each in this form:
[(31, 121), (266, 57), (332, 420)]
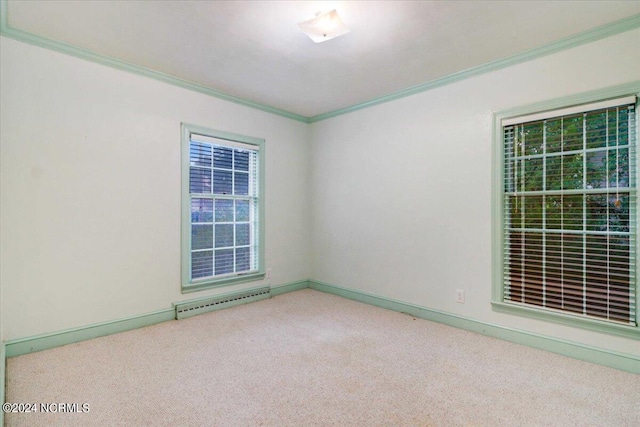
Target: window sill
[(626, 331), (216, 283)]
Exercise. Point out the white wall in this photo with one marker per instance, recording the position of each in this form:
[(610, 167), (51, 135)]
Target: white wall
[(401, 192), (90, 190), (400, 201)]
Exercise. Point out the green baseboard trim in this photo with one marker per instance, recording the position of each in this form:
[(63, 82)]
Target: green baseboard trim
[(32, 344), (622, 361), (289, 287), (3, 366), (43, 342)]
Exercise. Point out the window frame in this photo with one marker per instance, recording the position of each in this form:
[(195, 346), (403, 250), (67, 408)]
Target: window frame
[(189, 285), (497, 295)]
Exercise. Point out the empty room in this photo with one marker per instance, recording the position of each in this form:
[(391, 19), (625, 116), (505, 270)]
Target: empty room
[(290, 213)]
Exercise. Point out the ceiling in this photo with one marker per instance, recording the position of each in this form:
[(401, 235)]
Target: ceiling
[(255, 51)]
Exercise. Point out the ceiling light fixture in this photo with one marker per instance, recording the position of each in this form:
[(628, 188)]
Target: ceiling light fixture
[(325, 26)]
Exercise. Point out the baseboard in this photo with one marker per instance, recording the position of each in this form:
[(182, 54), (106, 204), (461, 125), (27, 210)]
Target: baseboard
[(32, 344), (43, 342), (3, 365), (622, 361), (289, 287)]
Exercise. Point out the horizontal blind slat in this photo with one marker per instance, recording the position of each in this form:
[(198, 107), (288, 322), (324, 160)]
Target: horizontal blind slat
[(577, 253)]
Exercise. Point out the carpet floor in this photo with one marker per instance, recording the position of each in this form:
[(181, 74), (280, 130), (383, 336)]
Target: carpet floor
[(308, 358)]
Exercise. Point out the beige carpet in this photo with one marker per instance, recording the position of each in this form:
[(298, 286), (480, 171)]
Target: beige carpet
[(309, 358)]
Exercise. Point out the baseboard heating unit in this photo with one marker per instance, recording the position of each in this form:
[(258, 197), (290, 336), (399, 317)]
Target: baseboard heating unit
[(218, 302)]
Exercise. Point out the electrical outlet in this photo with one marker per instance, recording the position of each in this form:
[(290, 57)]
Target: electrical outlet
[(460, 296), (268, 275)]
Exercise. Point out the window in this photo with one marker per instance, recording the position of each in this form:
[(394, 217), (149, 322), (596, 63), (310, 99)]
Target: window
[(568, 212), (222, 208)]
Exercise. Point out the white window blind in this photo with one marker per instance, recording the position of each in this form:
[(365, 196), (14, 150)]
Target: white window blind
[(569, 199), (223, 192)]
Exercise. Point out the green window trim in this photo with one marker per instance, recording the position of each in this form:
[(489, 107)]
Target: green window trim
[(499, 303), (220, 229)]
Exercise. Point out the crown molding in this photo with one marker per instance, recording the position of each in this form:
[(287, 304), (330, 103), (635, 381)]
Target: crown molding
[(118, 64), (594, 34)]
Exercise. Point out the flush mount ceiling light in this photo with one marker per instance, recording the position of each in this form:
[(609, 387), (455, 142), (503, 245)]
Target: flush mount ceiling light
[(325, 26)]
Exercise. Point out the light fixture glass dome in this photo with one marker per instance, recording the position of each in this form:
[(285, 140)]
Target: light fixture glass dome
[(325, 26)]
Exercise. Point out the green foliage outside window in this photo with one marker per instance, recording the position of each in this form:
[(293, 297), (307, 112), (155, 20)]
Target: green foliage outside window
[(569, 204)]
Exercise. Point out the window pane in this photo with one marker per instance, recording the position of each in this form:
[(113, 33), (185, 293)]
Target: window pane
[(532, 138), (201, 236), (572, 167), (621, 259), (224, 210), (608, 292), (516, 265), (619, 213), (224, 261), (243, 236), (518, 148), (224, 235), (509, 176), (516, 203), (200, 154), (572, 133), (241, 160), (533, 172), (619, 168), (222, 157), (608, 212), (242, 210), (573, 272), (553, 262), (221, 182), (597, 212), (533, 212), (201, 210), (243, 259), (573, 255), (554, 173), (622, 119), (533, 268), (518, 175), (597, 169), (199, 180), (241, 183), (201, 264), (597, 129), (572, 212), (554, 136), (553, 206)]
